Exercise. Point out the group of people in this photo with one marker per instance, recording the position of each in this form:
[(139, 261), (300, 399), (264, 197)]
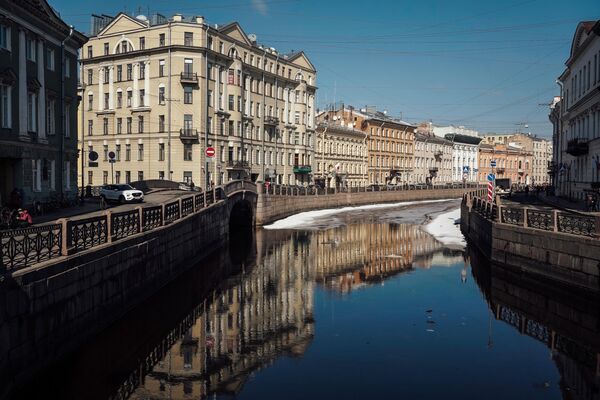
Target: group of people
[(13, 216)]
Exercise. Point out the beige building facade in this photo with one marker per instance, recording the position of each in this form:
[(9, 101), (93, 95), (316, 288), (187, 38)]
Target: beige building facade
[(157, 92), (433, 159), (340, 155)]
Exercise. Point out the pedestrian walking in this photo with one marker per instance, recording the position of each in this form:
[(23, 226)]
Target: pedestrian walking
[(589, 202)]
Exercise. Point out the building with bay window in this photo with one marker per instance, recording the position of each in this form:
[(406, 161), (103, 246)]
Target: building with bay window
[(165, 89), (38, 153)]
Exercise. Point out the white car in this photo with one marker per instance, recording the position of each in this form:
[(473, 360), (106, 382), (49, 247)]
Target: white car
[(121, 193)]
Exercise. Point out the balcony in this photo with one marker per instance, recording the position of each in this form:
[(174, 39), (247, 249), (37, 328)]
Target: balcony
[(302, 169), (500, 171), (233, 165), (577, 147), (269, 120), (520, 171), (189, 77), (438, 155), (188, 135)]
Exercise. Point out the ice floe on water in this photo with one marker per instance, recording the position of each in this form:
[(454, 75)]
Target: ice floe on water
[(444, 228), (320, 219)]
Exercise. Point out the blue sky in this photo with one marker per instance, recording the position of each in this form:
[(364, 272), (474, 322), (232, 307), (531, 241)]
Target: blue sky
[(483, 64)]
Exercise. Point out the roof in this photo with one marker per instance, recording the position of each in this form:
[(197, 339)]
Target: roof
[(339, 128), (431, 139), (379, 116), (582, 37), (457, 138)]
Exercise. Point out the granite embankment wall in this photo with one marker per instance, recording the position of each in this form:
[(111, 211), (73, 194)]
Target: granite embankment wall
[(271, 207), (50, 308), (569, 259)]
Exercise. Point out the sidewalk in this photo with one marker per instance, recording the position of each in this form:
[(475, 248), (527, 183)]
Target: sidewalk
[(91, 206), (558, 202)]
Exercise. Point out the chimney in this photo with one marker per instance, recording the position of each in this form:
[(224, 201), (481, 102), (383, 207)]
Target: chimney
[(177, 18), (200, 20)]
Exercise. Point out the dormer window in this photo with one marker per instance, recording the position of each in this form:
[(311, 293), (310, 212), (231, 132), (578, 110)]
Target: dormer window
[(124, 46)]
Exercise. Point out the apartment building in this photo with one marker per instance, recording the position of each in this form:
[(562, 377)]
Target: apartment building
[(38, 153), (157, 92), (433, 159), (465, 165), (340, 155), (576, 117), (390, 142), (512, 162)]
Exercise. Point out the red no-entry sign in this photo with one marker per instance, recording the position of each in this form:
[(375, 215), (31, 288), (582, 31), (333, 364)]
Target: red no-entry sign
[(210, 152)]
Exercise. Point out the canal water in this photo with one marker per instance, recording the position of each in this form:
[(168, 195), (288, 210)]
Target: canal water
[(368, 303)]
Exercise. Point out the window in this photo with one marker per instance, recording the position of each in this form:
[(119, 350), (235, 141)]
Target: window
[(67, 67), (32, 112), (105, 177), (161, 123), (161, 95), (117, 177), (129, 124), (210, 42), (118, 153), (67, 120), (161, 174), (119, 73), (4, 37), (105, 126), (50, 59), (141, 124), (209, 123), (89, 52), (36, 172), (188, 67), (119, 99), (142, 97), (187, 177), (187, 95), (142, 43), (140, 175), (124, 46), (127, 176), (105, 49), (106, 100), (142, 71), (140, 152), (231, 76), (5, 106), (161, 67), (90, 127), (90, 177), (127, 155), (105, 152), (161, 39), (106, 75), (161, 152), (209, 98), (231, 102), (50, 117), (30, 47), (129, 97), (188, 39), (187, 152), (119, 126), (90, 74), (129, 72)]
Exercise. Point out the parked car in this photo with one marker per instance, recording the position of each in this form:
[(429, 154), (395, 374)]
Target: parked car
[(121, 193)]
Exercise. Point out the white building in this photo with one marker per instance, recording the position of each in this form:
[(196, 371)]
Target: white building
[(442, 131), (465, 150), (576, 117)]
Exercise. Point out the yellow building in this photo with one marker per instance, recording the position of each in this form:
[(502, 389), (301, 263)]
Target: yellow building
[(157, 92)]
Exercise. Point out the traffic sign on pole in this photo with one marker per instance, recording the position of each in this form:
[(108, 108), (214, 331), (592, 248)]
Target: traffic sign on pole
[(209, 152), (493, 163), (491, 181)]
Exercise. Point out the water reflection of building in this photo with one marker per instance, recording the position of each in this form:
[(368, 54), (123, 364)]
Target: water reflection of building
[(245, 324), (351, 256), (567, 322)]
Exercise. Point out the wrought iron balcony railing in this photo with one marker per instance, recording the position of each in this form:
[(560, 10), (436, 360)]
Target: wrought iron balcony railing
[(577, 147), (188, 134), (189, 77)]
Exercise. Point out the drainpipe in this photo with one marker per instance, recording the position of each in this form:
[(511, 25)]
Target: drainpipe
[(169, 176), (62, 111), (262, 119), (206, 125)]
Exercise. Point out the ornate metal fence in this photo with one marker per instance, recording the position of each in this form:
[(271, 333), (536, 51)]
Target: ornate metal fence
[(123, 224), (151, 217), (540, 219), (512, 216), (22, 247), (187, 206), (172, 212), (86, 233), (577, 224)]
